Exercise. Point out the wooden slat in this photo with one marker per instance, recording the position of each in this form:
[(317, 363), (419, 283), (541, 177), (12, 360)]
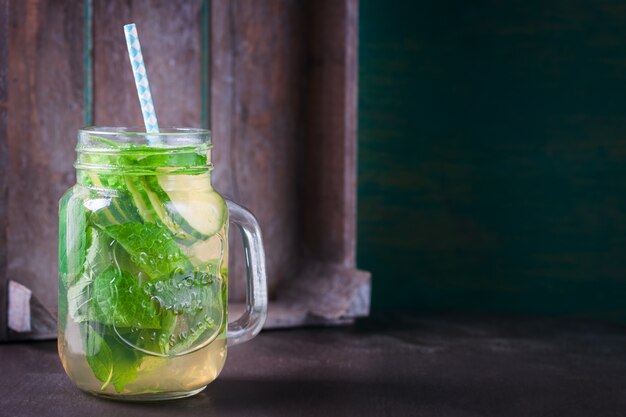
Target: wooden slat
[(45, 99), (171, 40), (328, 200), (283, 119), (257, 66), (4, 281)]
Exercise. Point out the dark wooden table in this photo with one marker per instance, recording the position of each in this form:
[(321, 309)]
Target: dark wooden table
[(393, 366)]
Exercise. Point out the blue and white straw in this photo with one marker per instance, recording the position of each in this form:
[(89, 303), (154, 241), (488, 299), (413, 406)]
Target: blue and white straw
[(141, 78)]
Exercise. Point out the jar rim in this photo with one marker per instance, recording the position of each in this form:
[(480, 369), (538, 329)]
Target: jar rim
[(140, 131), (118, 149), (107, 137)]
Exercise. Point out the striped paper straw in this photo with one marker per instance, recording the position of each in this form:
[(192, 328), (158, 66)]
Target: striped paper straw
[(141, 78)]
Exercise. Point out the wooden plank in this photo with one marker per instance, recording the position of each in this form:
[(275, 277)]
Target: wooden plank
[(4, 281), (262, 75), (171, 40), (323, 293), (393, 365), (257, 66), (329, 198), (45, 109), (4, 39)]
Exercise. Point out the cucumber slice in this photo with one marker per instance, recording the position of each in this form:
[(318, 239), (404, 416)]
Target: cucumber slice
[(201, 215), (192, 205), (118, 210), (158, 204), (140, 198)]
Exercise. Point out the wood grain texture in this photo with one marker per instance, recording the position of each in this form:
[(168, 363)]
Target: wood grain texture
[(171, 39), (327, 292), (257, 86), (44, 111), (392, 365), (4, 160), (283, 115), (319, 294), (284, 125), (328, 186)]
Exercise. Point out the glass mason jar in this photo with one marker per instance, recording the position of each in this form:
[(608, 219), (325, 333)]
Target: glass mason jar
[(143, 266)]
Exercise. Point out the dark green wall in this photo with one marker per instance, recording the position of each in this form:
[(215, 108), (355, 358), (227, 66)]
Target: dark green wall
[(492, 159)]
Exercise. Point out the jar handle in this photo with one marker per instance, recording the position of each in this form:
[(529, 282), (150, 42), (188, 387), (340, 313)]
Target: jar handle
[(251, 321)]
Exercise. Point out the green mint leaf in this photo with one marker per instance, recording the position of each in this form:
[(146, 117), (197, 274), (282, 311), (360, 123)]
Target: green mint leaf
[(72, 234), (80, 290), (195, 299), (178, 160), (202, 327), (121, 301), (79, 299), (72, 247), (63, 302), (185, 291), (114, 210), (98, 258), (99, 355), (151, 248), (125, 364), (111, 360), (109, 142)]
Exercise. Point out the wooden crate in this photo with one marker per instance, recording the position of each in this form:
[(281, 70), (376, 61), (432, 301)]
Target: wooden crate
[(281, 76)]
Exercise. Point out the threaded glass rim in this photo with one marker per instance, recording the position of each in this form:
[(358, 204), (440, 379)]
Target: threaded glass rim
[(109, 138)]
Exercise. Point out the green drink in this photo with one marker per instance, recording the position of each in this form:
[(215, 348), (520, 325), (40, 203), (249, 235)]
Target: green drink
[(143, 258)]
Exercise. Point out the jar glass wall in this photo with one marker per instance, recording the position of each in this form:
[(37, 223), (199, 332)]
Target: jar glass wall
[(143, 255)]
